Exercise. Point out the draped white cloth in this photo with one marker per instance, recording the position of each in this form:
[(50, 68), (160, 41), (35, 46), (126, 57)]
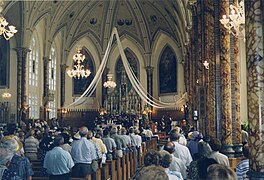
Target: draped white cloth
[(144, 95)]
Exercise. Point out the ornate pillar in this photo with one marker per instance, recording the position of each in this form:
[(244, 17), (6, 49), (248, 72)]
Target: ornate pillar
[(45, 86), (210, 73), (225, 82), (237, 140), (104, 90), (149, 70), (21, 80), (255, 85), (62, 84)]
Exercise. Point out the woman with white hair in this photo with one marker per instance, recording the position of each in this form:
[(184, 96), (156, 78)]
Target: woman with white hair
[(14, 166), (5, 158)]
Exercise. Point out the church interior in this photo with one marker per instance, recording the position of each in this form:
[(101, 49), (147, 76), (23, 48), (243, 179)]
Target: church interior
[(152, 62)]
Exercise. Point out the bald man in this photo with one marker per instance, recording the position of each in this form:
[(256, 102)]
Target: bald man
[(176, 163), (83, 153)]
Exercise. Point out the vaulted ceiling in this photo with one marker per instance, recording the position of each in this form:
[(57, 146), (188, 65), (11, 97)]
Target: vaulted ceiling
[(141, 20)]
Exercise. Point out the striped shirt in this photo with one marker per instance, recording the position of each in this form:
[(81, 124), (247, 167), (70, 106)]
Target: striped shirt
[(31, 145), (241, 169)]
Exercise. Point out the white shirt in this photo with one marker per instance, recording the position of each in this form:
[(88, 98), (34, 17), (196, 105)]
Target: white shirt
[(173, 175), (178, 165), (83, 151), (147, 132), (138, 140), (220, 158), (183, 140), (58, 161), (183, 153)]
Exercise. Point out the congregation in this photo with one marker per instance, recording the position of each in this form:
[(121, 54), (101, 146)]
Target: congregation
[(66, 152)]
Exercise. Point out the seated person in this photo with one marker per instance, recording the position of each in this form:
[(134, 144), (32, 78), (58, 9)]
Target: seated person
[(17, 167), (243, 166), (220, 172), (152, 157), (166, 159), (151, 173)]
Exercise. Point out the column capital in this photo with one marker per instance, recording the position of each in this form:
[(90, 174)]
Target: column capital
[(149, 69), (46, 59), (21, 51), (63, 66)]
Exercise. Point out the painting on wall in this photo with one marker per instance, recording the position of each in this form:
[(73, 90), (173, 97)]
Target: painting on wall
[(168, 72), (4, 62), (80, 85)]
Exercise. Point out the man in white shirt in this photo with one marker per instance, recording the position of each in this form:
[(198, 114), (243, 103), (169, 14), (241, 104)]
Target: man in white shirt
[(83, 153), (148, 133), (216, 155), (58, 162), (176, 163), (181, 151)]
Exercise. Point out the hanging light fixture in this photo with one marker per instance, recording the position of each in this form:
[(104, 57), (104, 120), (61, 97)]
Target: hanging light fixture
[(236, 21), (7, 33), (6, 95), (78, 70), (109, 83)]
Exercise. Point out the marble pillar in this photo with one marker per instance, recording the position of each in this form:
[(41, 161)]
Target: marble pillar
[(255, 85), (225, 82), (21, 80), (210, 73)]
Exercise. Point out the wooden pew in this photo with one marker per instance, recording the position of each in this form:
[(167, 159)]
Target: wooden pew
[(131, 163), (118, 169), (128, 165), (105, 171), (132, 157), (112, 167), (124, 167)]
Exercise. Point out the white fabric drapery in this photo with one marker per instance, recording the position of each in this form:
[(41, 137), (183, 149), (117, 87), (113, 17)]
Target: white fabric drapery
[(144, 95)]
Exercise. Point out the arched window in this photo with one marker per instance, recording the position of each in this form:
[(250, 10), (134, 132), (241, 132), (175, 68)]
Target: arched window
[(80, 85), (52, 82), (167, 72), (33, 78), (4, 62)]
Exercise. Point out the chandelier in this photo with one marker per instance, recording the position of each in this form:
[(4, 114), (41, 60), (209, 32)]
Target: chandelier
[(109, 83), (235, 23), (78, 70), (7, 33)]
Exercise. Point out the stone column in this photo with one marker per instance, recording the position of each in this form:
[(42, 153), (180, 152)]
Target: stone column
[(225, 82), (21, 80), (45, 86), (237, 128), (149, 70), (62, 84), (255, 85), (210, 73)]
